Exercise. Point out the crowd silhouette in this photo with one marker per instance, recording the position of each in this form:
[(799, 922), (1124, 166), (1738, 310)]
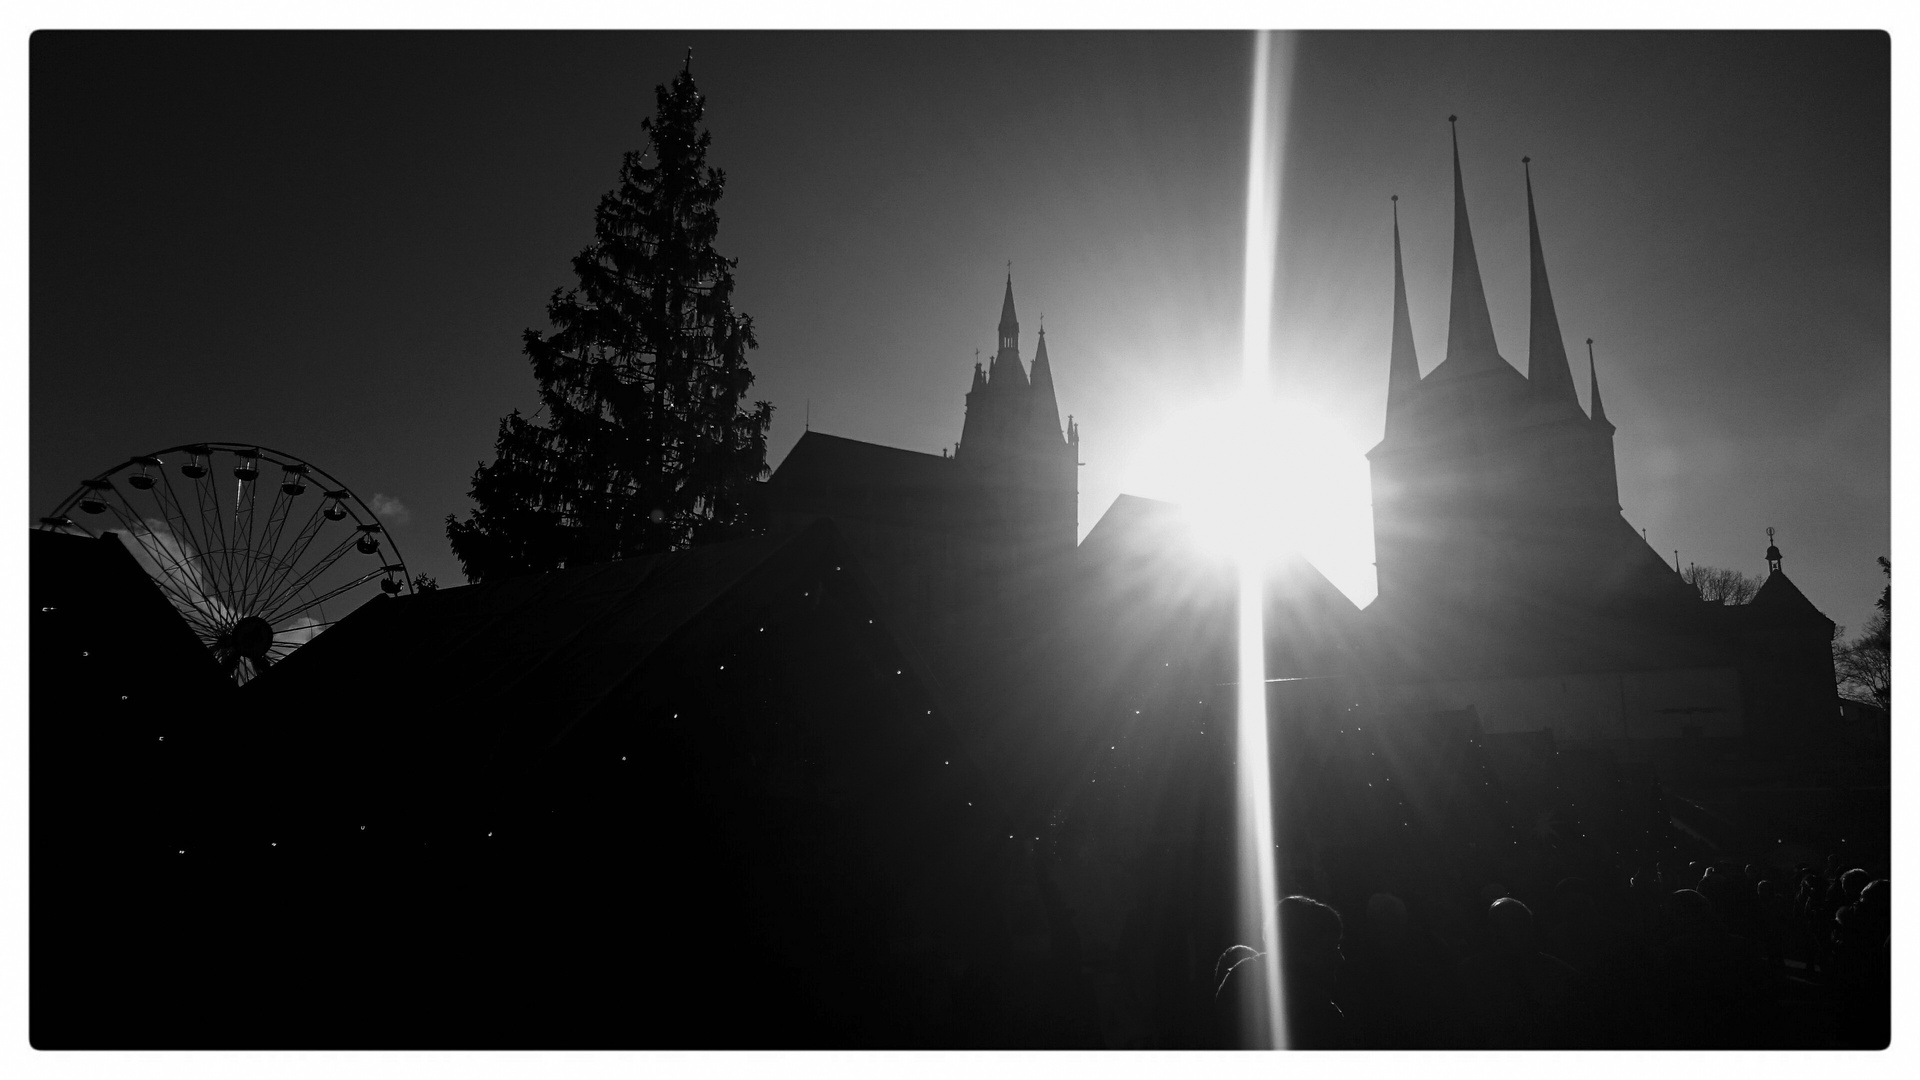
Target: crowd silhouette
[(1683, 955)]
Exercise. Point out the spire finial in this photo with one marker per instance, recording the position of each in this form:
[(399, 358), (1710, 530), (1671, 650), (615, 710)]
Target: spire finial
[(1773, 553)]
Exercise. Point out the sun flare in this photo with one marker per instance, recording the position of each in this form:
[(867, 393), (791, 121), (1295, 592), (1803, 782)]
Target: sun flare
[(1268, 478)]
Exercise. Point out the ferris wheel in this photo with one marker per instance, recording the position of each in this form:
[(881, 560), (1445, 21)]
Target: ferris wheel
[(256, 563)]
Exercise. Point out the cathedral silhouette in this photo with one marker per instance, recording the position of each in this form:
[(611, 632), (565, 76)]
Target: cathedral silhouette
[(1509, 579), (910, 766)]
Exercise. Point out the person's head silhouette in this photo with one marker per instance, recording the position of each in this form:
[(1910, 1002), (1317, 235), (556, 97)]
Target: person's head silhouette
[(1511, 923)]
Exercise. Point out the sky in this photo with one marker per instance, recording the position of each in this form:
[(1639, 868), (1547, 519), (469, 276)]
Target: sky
[(330, 244)]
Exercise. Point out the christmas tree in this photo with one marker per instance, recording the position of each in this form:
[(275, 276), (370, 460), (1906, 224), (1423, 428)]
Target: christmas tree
[(644, 446)]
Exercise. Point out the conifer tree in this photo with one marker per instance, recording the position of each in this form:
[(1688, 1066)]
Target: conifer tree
[(644, 446)]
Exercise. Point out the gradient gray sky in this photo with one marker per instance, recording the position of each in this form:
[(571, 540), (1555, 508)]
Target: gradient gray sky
[(330, 243)]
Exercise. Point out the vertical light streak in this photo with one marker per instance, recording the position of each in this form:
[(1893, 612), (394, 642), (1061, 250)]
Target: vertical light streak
[(1257, 892)]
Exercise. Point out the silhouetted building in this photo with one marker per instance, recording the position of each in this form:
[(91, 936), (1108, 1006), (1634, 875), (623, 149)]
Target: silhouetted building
[(1013, 442), (962, 551), (1510, 581), (909, 764)]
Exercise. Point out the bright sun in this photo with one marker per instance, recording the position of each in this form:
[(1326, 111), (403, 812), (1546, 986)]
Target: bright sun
[(1266, 477)]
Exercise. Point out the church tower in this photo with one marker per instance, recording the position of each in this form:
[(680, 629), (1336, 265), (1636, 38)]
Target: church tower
[(1491, 487), (1023, 465)]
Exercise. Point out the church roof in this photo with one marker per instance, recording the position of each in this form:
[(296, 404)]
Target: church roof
[(1778, 598), (826, 474), (820, 458)]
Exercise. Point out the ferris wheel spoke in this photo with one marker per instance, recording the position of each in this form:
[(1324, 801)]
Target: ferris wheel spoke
[(206, 631), (207, 499), (270, 589), (194, 592), (173, 578), (142, 533), (291, 590), (244, 492), (176, 514), (233, 547), (197, 612), (328, 595), (201, 626), (223, 559), (256, 554), (230, 549), (270, 541)]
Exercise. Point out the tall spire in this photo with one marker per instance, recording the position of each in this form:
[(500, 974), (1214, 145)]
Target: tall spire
[(1593, 381), (1469, 326), (1403, 367), (1547, 366), (1006, 360), (1045, 414)]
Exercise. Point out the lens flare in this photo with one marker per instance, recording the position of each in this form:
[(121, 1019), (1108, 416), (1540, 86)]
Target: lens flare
[(1257, 888)]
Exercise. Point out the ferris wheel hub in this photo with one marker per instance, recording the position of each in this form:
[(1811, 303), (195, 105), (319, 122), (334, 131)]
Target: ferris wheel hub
[(252, 637), (237, 561)]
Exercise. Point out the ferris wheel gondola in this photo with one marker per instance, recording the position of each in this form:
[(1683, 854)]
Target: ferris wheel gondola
[(210, 522)]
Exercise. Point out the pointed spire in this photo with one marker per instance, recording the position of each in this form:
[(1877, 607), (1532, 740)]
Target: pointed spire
[(1593, 382), (1045, 416), (1547, 366), (1469, 326), (1006, 360), (1403, 366)]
